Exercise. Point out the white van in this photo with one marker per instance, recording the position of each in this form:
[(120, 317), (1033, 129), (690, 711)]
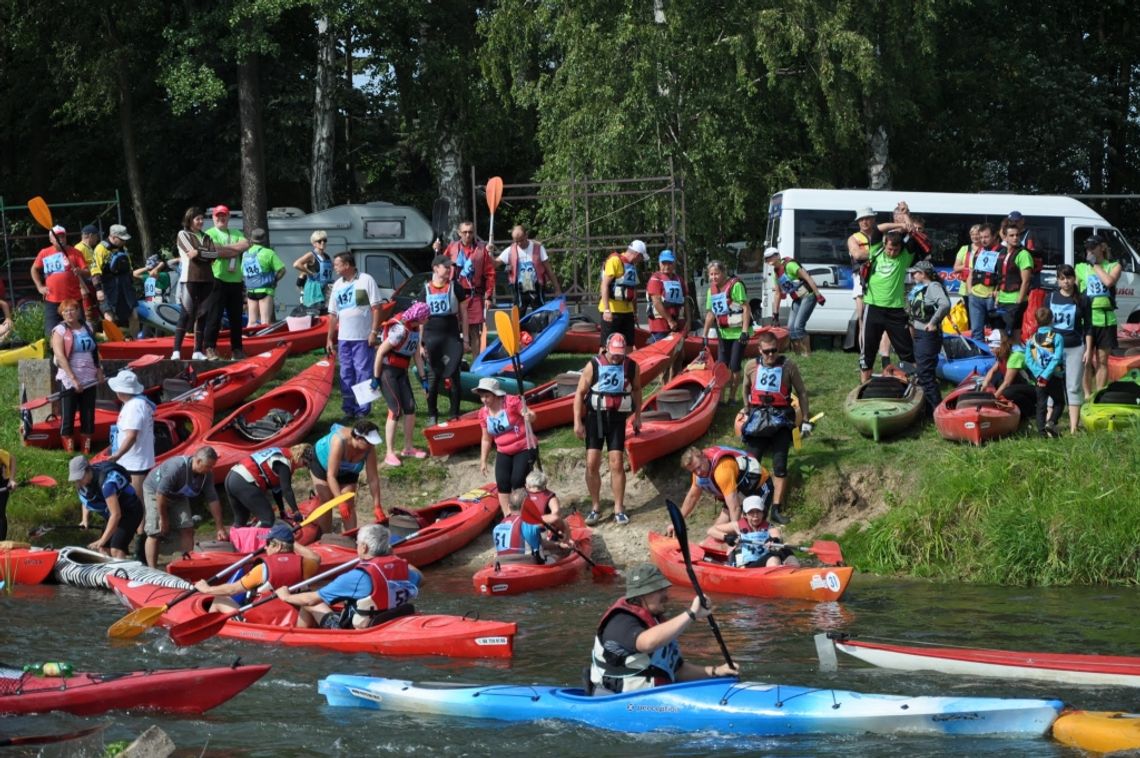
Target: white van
[(812, 226)]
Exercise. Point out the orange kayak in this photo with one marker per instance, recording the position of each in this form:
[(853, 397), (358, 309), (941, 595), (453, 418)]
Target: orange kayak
[(678, 415), (819, 584), (26, 565), (969, 415), (516, 578), (1120, 362)]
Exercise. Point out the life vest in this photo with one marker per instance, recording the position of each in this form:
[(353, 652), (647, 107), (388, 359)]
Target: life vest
[(752, 549), (85, 344), (259, 464), (623, 288), (771, 385), (541, 501), (1010, 273), (526, 275), (1064, 314), (916, 306), (441, 301), (991, 267), (964, 251), (324, 273), (91, 496), (728, 312), (401, 356), (672, 298), (391, 587), (636, 671), (752, 478), (792, 286), (862, 240), (253, 275), (283, 569), (119, 260), (612, 388), (1043, 352), (511, 537), (469, 265), (507, 428)]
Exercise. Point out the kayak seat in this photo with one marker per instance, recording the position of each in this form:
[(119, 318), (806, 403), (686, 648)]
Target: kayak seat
[(173, 387), (656, 416), (956, 349), (404, 609), (265, 427), (677, 403), (107, 405), (216, 546), (165, 437), (883, 387), (401, 524), (566, 385), (977, 400), (583, 326), (1120, 393), (536, 323)]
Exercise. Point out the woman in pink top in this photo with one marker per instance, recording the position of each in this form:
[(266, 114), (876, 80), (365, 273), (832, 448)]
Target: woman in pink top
[(504, 419)]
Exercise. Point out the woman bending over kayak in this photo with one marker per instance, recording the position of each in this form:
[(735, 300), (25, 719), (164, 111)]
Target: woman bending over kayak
[(338, 459), (261, 474)]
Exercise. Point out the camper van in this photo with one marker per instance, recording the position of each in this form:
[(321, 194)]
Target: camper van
[(812, 226), (390, 242)]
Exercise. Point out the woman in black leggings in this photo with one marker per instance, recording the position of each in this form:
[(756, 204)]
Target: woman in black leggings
[(260, 475), (197, 280), (443, 336)]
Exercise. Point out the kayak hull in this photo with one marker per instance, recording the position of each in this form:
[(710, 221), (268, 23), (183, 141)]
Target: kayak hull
[(494, 360), (725, 706), (272, 624), (962, 356), (469, 381), (687, 421), (162, 316), (694, 344), (1098, 731), (28, 565), (14, 355), (301, 341), (975, 416), (1115, 407), (185, 691), (198, 564), (814, 584), (586, 337), (878, 416), (179, 428), (1098, 670), (80, 567), (498, 578)]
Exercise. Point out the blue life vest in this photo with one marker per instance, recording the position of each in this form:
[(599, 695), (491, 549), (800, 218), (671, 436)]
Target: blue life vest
[(254, 276)]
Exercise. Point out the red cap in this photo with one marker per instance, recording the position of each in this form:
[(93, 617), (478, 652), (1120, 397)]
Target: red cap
[(220, 210), (615, 345)]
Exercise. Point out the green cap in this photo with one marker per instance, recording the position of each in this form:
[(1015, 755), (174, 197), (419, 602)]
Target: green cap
[(643, 579)]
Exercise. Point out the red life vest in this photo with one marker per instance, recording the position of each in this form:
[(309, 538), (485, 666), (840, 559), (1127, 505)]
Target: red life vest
[(507, 428), (1010, 273), (401, 355), (985, 278), (541, 500), (611, 397), (283, 569), (380, 570), (622, 604), (260, 466), (764, 393), (662, 663), (746, 528), (656, 323), (723, 319), (476, 254), (515, 544), (69, 341), (535, 259)]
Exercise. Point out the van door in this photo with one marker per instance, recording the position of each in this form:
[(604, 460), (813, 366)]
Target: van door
[(1119, 249), (388, 270)]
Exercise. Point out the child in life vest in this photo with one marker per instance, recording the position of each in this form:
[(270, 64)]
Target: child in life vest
[(755, 542)]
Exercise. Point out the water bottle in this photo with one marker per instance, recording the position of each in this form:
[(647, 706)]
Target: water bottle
[(50, 668)]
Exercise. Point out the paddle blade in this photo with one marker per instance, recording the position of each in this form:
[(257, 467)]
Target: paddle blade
[(146, 360), (40, 212), (494, 193), (198, 629), (112, 330), (531, 514), (39, 402), (603, 573), (680, 529), (506, 333), (136, 622), (324, 508), (439, 215), (827, 551), (42, 480), (515, 323)]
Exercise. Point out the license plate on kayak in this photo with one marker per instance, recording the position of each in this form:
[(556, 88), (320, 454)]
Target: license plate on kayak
[(487, 641)]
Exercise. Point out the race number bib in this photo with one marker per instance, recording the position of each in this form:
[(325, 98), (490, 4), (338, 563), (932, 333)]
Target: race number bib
[(439, 304), (56, 263), (769, 378), (1094, 287), (611, 379), (345, 297), (720, 304), (1064, 317), (498, 424), (671, 293), (986, 261)]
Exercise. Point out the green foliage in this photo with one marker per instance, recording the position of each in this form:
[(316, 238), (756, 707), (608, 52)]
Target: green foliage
[(191, 87), (28, 323)]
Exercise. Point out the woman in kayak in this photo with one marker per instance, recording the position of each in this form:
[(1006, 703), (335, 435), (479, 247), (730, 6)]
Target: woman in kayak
[(504, 420), (77, 356), (443, 337), (338, 459), (262, 473), (755, 542), (636, 645), (285, 563)]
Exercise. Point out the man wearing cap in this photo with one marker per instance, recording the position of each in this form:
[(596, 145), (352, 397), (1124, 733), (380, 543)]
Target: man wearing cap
[(1097, 277), (1025, 236), (794, 281), (166, 496), (228, 297), (106, 489), (285, 563), (636, 645), (859, 247), (609, 390), (505, 421), (475, 266), (354, 328), (112, 273), (132, 436), (928, 302), (755, 543), (91, 247), (528, 269), (261, 269), (59, 273), (668, 311), (619, 291)]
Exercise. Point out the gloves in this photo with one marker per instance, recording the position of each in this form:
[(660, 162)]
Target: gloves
[(806, 429), (730, 539), (743, 339), (820, 300), (375, 383), (424, 384)]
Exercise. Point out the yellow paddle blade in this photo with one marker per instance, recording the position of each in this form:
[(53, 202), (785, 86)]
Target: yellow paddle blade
[(515, 324), (136, 622), (324, 508), (506, 333), (40, 211)]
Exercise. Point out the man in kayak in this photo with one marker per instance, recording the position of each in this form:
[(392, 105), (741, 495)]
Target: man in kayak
[(608, 392), (380, 588), (166, 496), (636, 645), (729, 475), (285, 563), (754, 541)]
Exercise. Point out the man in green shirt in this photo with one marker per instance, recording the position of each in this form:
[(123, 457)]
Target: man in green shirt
[(1015, 268), (884, 298), (1097, 278), (228, 297)]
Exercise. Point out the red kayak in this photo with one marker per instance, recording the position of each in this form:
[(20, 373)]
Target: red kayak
[(26, 565), (677, 416), (272, 624), (203, 564), (499, 578), (586, 337), (228, 385), (1128, 335), (826, 583), (164, 690), (178, 428), (1120, 362), (694, 344), (969, 415), (552, 403), (255, 339), (279, 418)]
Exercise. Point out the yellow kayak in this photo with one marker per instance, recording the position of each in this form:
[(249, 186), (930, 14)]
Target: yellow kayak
[(14, 355), (1098, 731)]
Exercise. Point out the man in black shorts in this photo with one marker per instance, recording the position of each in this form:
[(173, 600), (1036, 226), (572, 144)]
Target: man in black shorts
[(106, 489), (608, 392)]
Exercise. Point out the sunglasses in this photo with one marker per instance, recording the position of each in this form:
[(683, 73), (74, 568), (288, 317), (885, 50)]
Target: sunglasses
[(771, 351)]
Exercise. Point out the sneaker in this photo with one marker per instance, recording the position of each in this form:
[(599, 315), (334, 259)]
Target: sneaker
[(238, 355), (414, 453), (211, 354), (621, 519), (198, 356), (593, 518), (1050, 431), (176, 356), (391, 460)]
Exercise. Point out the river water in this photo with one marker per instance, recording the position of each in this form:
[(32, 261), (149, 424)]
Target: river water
[(771, 640)]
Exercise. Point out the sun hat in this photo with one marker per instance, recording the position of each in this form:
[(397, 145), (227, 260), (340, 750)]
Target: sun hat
[(258, 236), (771, 252), (864, 213), (126, 382), (76, 468), (925, 267), (643, 579), (120, 231), (492, 385)]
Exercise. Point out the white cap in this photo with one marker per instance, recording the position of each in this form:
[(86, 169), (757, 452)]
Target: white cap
[(770, 251), (753, 503), (637, 246)]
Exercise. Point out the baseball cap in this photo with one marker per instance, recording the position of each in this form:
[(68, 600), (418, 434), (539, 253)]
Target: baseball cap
[(925, 267), (220, 210), (637, 246), (1015, 216), (771, 252), (1094, 240), (90, 229), (57, 229), (281, 532), (643, 579), (76, 468), (371, 435), (120, 231), (257, 235), (441, 260), (615, 345), (753, 503), (666, 257)]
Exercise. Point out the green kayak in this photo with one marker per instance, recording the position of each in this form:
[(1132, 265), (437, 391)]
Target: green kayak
[(469, 381), (1117, 406), (883, 406)]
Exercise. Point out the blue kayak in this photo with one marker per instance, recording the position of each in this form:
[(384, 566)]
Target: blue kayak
[(962, 356), (546, 325), (162, 316), (710, 705)]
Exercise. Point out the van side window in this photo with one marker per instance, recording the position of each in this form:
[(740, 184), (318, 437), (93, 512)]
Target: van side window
[(379, 267), (1118, 249), (1080, 234)]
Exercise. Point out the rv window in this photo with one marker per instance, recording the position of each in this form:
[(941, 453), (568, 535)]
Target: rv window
[(379, 267), (772, 233), (386, 229)]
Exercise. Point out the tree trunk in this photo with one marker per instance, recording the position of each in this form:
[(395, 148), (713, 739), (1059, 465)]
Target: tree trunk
[(878, 173), (349, 164), (449, 169), (324, 121), (253, 196)]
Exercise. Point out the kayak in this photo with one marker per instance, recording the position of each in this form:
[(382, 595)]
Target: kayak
[(677, 416), (80, 567), (1098, 731), (280, 418), (818, 584), (1065, 668), (961, 357), (498, 578), (26, 565), (203, 564), (178, 428), (552, 403), (723, 705), (883, 406), (1128, 335), (694, 344), (970, 415), (162, 316), (14, 355), (584, 336), (186, 690), (469, 381), (1120, 362), (272, 624), (228, 384), (1117, 406), (255, 340), (546, 326)]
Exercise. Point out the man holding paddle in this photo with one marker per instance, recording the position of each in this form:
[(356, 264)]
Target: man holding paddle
[(59, 273), (285, 563)]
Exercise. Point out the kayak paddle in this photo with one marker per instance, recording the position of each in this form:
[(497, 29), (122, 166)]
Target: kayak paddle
[(797, 436), (112, 330), (139, 620), (508, 328), (207, 625), (40, 480), (494, 195), (40, 211), (530, 515), (271, 328), (141, 362), (681, 532), (48, 739), (440, 210), (826, 550)]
